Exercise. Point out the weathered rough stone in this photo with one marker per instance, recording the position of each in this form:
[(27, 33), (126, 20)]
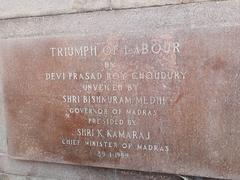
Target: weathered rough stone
[(17, 177), (122, 4), (90, 5), (182, 110), (69, 172), (26, 8), (213, 15), (13, 8), (3, 144)]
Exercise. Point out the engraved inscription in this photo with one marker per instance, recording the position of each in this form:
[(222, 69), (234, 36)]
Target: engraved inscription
[(151, 102)]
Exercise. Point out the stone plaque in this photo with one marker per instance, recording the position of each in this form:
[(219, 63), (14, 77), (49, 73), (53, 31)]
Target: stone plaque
[(162, 102)]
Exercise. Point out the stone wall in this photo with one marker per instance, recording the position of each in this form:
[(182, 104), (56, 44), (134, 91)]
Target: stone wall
[(26, 8), (65, 17)]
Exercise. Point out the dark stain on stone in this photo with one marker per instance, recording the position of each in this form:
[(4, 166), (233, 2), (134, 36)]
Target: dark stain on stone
[(218, 64)]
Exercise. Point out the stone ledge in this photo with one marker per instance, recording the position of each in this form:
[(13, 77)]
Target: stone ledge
[(208, 14), (122, 4), (10, 168), (29, 8), (4, 176), (3, 143)]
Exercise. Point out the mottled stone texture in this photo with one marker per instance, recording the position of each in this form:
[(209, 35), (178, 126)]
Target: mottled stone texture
[(220, 17), (195, 126), (36, 170), (25, 8), (120, 4), (3, 147), (17, 177)]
